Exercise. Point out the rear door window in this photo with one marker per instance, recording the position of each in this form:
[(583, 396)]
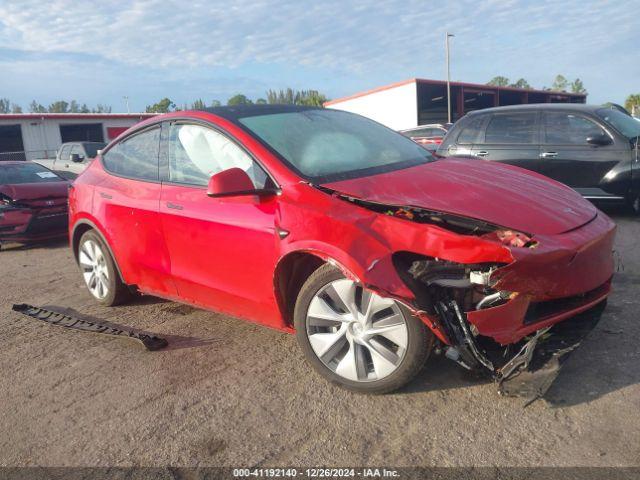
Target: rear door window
[(512, 128), (471, 130), (136, 156), (568, 129)]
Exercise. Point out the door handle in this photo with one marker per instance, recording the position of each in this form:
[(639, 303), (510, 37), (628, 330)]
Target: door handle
[(482, 153), (174, 206), (548, 154), (106, 195)]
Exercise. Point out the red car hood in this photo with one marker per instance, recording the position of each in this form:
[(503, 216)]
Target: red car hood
[(497, 193), (33, 191)]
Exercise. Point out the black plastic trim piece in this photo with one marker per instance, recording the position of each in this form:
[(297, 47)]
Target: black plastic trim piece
[(151, 342)]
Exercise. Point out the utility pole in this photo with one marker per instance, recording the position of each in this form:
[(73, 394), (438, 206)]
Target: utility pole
[(446, 49), (126, 101)]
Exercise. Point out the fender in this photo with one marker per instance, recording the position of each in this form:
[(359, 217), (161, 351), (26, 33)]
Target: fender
[(94, 226), (329, 253), (352, 269)]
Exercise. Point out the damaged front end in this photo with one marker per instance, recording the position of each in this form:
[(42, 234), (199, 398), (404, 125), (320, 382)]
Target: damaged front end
[(494, 306), (449, 294)]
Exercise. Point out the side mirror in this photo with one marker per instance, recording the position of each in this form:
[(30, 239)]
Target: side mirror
[(599, 140), (234, 182), (76, 157)]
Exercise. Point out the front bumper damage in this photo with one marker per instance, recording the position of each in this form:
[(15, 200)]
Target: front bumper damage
[(514, 311), (531, 372), (520, 321)]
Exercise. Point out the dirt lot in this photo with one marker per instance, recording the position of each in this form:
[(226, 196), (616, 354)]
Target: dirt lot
[(231, 393)]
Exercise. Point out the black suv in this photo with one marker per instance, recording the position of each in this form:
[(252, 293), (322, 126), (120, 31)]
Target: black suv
[(593, 149)]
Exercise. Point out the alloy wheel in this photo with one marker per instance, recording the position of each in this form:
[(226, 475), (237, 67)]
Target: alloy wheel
[(355, 332), (94, 269)]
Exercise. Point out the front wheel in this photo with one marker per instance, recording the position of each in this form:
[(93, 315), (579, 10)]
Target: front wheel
[(357, 338), (99, 271)]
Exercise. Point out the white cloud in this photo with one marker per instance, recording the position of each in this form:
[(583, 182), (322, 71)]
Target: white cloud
[(346, 36), (337, 46)]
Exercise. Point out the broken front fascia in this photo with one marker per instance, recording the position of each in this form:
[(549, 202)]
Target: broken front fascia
[(446, 267), (465, 277)]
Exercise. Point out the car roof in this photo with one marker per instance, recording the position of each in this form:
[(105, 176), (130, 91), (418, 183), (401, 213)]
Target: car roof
[(235, 112), (576, 107), (429, 125), (17, 162)]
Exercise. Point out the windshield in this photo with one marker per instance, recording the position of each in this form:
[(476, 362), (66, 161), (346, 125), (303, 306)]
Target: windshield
[(329, 145), (626, 125), (91, 149), (13, 173)]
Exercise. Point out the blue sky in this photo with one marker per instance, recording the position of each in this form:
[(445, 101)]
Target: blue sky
[(98, 52)]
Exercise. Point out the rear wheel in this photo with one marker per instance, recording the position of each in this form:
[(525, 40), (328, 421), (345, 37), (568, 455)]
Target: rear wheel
[(99, 272), (357, 338)]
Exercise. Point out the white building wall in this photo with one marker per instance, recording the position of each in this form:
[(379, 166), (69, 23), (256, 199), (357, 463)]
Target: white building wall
[(41, 136), (395, 107)]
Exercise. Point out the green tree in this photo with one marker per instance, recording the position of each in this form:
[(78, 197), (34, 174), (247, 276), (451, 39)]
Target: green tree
[(35, 107), (632, 104), (5, 105), (289, 96), (74, 107), (560, 84), (16, 108), (521, 83), (577, 86), (311, 98), (100, 108), (59, 107), (84, 108), (499, 81), (261, 101), (198, 105), (215, 103), (163, 106), (239, 99)]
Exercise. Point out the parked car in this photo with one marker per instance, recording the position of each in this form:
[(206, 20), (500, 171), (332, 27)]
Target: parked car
[(427, 134), (72, 158), (33, 203), (329, 225), (592, 149)]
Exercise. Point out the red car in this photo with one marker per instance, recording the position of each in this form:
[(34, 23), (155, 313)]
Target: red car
[(33, 203), (329, 225)]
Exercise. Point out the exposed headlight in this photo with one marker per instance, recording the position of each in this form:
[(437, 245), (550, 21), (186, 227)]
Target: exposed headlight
[(512, 238)]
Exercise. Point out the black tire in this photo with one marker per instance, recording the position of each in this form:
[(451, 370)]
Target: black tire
[(420, 340), (117, 291)]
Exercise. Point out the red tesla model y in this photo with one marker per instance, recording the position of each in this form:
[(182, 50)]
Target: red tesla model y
[(329, 225)]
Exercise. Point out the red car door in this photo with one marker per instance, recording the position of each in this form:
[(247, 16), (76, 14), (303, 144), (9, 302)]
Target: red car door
[(127, 201), (223, 250)]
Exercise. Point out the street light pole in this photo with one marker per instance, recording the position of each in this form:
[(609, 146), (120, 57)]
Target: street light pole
[(446, 49)]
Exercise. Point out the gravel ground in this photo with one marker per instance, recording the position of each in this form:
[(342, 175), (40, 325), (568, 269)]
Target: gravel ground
[(230, 393)]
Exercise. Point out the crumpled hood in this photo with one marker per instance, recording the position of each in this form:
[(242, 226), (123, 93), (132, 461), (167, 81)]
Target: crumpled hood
[(490, 191), (33, 191)]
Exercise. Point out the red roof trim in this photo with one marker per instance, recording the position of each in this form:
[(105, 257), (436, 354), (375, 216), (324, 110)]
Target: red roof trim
[(453, 84)]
